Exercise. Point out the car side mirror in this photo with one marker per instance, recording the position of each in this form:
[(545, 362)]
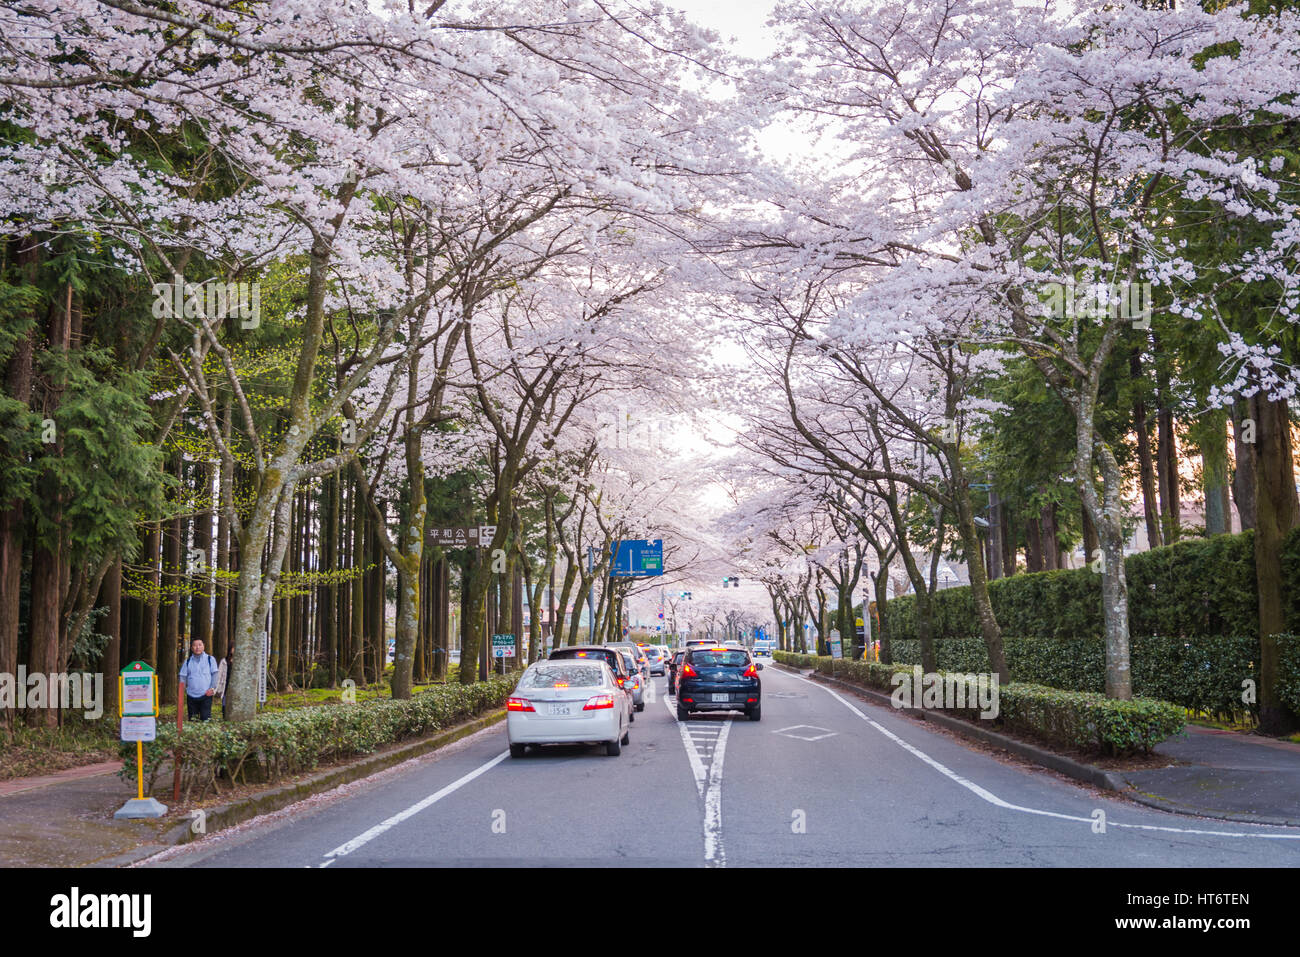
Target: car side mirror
[(758, 666)]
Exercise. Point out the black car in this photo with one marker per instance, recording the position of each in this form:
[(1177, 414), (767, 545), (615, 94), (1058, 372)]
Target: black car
[(719, 679), (605, 653), (674, 663)]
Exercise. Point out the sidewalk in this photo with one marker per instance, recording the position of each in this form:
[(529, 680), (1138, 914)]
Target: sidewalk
[(1225, 774), (66, 819)]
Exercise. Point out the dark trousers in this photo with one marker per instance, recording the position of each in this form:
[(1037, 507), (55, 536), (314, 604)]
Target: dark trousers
[(200, 707)]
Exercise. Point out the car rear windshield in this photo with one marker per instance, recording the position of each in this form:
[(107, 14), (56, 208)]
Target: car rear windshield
[(572, 675), (609, 657), (715, 659)]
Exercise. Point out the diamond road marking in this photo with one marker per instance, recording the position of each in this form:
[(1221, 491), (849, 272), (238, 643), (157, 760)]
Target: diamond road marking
[(805, 737)]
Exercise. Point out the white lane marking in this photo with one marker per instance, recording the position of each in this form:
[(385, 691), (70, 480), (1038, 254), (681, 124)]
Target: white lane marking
[(993, 799), (697, 766), (708, 782), (788, 732), (344, 849), (714, 854)]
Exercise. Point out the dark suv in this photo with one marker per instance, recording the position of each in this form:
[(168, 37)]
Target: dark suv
[(719, 679), (606, 653)]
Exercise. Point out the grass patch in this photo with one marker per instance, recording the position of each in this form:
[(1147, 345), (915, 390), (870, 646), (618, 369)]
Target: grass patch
[(31, 752)]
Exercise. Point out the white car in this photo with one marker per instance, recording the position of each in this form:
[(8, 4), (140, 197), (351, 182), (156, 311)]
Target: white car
[(567, 701)]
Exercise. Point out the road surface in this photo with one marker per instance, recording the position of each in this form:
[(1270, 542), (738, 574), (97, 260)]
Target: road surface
[(825, 779)]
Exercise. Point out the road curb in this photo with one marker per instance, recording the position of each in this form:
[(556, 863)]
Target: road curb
[(237, 812), (1170, 807), (1087, 773)]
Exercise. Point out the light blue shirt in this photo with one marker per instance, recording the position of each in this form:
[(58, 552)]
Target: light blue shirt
[(198, 679)]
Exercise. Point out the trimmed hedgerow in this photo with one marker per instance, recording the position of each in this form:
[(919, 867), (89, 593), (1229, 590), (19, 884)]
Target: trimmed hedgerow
[(1205, 674), (1203, 586), (282, 743), (1087, 721)]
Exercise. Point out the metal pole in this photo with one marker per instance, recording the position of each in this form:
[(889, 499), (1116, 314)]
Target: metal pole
[(591, 592)]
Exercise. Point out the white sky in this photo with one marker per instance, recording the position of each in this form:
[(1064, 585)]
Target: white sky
[(741, 20)]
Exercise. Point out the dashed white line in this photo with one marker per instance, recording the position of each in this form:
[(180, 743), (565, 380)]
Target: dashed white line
[(714, 855), (993, 799), (362, 839), (708, 782)]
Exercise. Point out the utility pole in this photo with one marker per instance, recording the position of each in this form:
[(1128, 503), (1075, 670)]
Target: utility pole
[(591, 602)]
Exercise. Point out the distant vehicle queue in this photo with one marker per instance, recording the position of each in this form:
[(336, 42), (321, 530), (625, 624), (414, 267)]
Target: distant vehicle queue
[(591, 694)]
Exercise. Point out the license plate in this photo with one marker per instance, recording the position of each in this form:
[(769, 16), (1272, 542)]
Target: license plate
[(561, 709), (721, 698)]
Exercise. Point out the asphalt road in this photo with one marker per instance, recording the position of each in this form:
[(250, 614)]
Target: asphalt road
[(824, 779)]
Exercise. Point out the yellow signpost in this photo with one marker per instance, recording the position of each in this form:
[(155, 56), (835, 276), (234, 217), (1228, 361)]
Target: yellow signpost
[(138, 709)]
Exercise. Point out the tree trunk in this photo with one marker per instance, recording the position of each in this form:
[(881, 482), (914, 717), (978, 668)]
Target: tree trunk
[(1008, 541), (153, 586), (1034, 544), (201, 603), (1091, 544), (169, 639), (1049, 542), (111, 590), (1277, 512), (18, 385), (1243, 475), (43, 648), (1213, 430)]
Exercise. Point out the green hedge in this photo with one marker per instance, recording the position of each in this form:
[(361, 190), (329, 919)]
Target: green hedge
[(1071, 719), (1203, 586), (1205, 674), (282, 743)]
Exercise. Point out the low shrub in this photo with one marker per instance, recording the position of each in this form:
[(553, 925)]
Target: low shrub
[(282, 743)]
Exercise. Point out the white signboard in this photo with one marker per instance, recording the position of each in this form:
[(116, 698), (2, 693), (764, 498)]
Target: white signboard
[(139, 729)]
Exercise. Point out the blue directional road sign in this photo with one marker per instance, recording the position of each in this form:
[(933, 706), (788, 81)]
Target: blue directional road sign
[(634, 558)]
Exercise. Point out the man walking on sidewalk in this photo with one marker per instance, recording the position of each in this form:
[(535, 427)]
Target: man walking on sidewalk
[(198, 680)]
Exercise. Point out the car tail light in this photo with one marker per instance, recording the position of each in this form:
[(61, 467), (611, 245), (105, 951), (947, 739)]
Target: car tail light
[(621, 679), (598, 701), (688, 671), (519, 704), (750, 672)]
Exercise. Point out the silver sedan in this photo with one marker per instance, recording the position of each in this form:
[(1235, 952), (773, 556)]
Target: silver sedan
[(568, 702)]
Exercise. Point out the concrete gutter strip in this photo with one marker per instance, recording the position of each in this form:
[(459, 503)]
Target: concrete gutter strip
[(1160, 804), (264, 802)]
